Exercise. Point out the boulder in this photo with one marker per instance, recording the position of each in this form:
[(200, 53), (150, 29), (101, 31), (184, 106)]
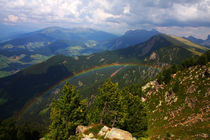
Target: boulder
[(82, 129), (103, 131), (88, 139), (118, 134), (106, 132)]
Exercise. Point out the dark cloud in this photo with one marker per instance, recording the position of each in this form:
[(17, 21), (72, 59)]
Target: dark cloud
[(115, 15)]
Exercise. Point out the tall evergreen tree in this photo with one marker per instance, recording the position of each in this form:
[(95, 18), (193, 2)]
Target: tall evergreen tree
[(107, 105), (134, 112), (120, 108), (67, 113)]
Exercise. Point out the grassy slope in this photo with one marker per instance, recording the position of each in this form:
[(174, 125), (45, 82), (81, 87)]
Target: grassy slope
[(194, 48), (180, 109)]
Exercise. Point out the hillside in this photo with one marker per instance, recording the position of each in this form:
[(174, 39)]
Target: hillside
[(159, 51), (176, 109), (180, 109)]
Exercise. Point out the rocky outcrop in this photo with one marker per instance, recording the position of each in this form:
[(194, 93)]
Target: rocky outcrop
[(118, 134), (104, 133), (180, 106)]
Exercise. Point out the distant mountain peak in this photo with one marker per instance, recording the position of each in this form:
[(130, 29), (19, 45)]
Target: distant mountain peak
[(140, 31), (130, 38), (208, 38), (191, 37)]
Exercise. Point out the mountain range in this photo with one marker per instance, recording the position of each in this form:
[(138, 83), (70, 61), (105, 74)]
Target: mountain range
[(31, 48), (148, 64), (159, 51), (199, 41)]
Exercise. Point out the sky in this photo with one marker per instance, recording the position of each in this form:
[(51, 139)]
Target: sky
[(178, 17)]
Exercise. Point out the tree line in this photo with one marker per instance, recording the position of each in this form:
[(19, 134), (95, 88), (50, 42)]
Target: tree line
[(165, 75)]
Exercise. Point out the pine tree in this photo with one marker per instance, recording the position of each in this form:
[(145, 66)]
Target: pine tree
[(134, 113), (106, 109), (66, 114), (120, 108)]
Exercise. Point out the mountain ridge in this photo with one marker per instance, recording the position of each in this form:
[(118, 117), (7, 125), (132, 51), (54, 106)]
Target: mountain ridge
[(199, 41), (130, 38), (46, 74)]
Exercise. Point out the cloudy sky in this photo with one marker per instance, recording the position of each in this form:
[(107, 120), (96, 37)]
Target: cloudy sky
[(180, 17)]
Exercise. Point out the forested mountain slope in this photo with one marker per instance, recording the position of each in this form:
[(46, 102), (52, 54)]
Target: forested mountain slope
[(159, 51)]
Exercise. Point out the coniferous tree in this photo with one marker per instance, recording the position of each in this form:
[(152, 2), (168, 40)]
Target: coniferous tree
[(120, 108), (66, 114), (134, 110), (106, 108)]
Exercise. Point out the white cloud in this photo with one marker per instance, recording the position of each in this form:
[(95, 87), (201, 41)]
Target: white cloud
[(126, 9), (11, 18), (109, 14), (185, 12), (100, 15)]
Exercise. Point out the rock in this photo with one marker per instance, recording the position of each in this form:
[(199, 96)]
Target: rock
[(81, 129), (191, 102), (90, 135), (118, 134), (80, 83), (143, 99), (165, 118), (169, 96), (106, 132), (149, 85), (88, 139), (103, 131), (207, 92), (152, 56), (101, 60)]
